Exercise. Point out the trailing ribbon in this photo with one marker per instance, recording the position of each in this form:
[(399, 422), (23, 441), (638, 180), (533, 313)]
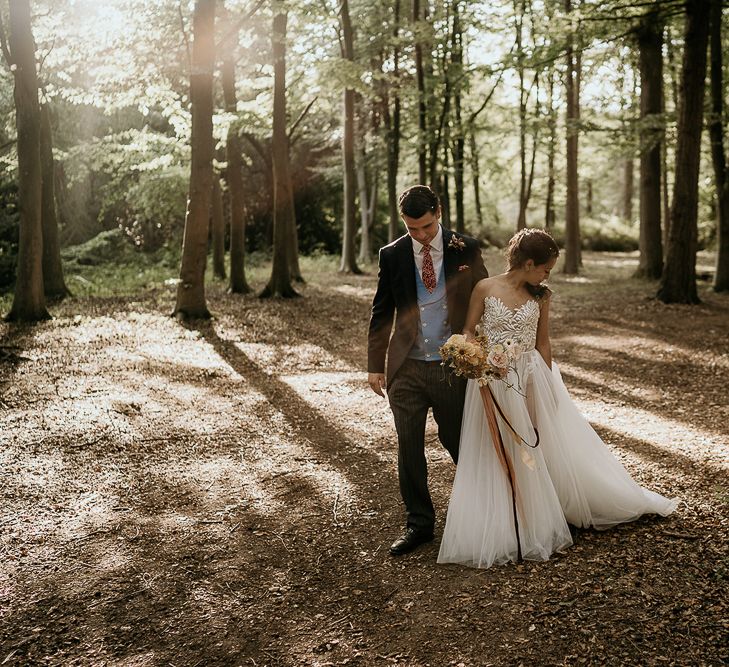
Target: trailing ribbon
[(491, 407)]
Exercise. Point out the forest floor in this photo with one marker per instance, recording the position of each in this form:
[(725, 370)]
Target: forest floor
[(225, 492)]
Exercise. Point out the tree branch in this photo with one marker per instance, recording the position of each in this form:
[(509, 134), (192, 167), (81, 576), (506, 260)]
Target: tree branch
[(239, 24), (472, 117), (300, 118), (47, 53)]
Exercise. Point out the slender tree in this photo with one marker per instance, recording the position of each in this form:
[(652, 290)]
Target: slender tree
[(459, 140), (29, 302), (391, 122), (628, 188), (279, 284), (191, 288), (519, 12), (678, 282), (348, 263), (420, 79), (364, 175), (549, 212), (473, 150), (650, 45), (54, 284), (672, 67), (718, 154), (234, 175), (217, 228), (572, 212)]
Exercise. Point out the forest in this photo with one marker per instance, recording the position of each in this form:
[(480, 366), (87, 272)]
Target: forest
[(602, 122), (192, 198)]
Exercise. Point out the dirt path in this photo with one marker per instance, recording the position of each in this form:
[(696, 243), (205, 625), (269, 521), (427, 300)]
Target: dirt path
[(224, 493)]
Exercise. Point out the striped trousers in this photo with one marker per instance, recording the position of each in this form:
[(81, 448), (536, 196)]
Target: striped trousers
[(417, 387)]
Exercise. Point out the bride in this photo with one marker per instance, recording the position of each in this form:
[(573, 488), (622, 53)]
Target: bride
[(520, 504)]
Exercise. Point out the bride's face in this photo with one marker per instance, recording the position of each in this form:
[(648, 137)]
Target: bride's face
[(538, 273)]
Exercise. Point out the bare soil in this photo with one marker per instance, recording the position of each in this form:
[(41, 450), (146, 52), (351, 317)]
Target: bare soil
[(224, 492)]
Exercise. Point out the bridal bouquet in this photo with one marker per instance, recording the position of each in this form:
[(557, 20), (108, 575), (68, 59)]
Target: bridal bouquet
[(477, 359)]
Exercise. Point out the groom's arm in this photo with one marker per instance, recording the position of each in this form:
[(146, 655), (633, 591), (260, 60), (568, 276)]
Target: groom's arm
[(383, 313)]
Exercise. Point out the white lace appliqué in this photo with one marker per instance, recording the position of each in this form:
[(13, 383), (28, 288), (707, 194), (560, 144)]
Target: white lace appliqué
[(503, 324)]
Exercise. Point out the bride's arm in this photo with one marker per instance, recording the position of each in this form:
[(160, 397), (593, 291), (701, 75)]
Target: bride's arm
[(475, 308), (544, 347)]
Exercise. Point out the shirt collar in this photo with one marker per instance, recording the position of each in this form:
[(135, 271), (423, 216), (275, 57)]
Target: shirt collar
[(436, 242)]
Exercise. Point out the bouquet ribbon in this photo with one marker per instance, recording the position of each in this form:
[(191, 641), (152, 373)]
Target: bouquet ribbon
[(491, 408)]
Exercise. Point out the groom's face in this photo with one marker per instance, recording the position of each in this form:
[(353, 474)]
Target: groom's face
[(424, 228)]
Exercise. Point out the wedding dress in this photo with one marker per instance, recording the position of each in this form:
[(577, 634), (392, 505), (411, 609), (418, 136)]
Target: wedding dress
[(570, 477)]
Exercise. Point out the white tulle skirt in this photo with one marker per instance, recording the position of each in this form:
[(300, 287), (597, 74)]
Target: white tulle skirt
[(572, 477)]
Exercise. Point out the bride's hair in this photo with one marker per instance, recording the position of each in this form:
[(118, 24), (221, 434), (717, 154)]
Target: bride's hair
[(534, 244)]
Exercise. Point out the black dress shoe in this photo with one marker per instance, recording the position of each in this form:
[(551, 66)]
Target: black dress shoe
[(409, 540)]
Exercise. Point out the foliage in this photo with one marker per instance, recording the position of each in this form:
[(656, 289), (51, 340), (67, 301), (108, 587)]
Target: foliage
[(109, 246), (117, 75), (140, 183), (8, 234)]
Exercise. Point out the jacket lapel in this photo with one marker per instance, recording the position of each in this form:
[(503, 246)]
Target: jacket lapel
[(450, 264)]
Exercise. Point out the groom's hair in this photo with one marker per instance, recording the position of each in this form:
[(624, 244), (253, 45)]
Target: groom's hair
[(418, 200)]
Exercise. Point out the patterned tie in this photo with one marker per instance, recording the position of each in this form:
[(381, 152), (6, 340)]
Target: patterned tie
[(428, 270)]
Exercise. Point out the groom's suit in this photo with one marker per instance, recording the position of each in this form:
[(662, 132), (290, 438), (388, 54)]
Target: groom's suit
[(415, 379)]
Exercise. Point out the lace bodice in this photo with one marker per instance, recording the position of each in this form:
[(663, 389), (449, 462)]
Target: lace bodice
[(501, 323)]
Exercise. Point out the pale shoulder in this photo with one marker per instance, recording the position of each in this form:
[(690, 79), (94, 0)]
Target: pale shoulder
[(490, 283), (486, 286)]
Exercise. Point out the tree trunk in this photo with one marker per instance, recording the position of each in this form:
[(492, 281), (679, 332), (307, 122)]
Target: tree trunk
[(572, 213), (217, 226), (234, 178), (475, 174), (445, 193), (666, 222), (588, 197), (391, 120), (375, 186), (365, 251), (393, 136), (678, 282), (293, 239), (422, 111), (549, 212), (348, 263), (293, 232), (283, 211), (191, 288), (438, 124), (393, 157), (628, 188), (473, 151), (650, 44), (718, 154), (459, 142), (673, 78), (54, 284), (29, 302), (519, 10)]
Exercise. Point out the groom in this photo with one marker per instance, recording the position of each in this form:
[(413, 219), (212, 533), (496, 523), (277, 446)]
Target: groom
[(424, 283)]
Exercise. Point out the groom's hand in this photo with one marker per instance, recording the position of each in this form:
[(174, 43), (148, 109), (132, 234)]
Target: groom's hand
[(377, 382)]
